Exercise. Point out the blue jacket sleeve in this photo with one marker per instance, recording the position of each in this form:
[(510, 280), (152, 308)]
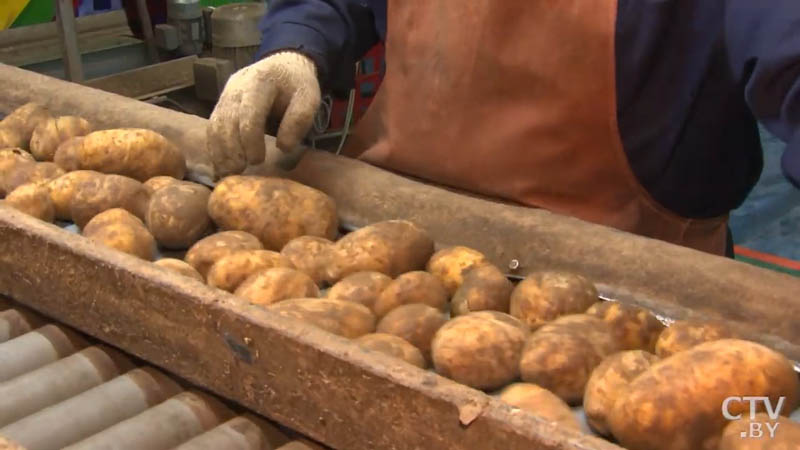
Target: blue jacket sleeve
[(763, 42), (334, 33)]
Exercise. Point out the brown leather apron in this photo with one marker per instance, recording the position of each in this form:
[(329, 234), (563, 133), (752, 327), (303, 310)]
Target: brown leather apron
[(515, 100)]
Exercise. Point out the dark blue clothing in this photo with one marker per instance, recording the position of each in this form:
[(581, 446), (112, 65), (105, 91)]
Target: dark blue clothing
[(693, 77)]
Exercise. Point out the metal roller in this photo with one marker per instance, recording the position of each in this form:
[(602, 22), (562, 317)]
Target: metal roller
[(162, 427), (36, 349), (239, 433), (92, 411), (14, 323), (301, 445), (58, 381)]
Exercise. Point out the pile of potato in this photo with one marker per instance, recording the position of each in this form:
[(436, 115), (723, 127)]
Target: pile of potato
[(541, 345)]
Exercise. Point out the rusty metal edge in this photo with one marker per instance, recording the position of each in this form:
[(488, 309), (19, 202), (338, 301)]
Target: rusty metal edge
[(316, 383)]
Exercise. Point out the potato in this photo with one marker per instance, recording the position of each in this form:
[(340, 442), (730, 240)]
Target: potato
[(63, 189), (392, 247), (48, 135), (179, 267), (97, 194), (177, 215), (310, 255), (484, 287), (393, 346), (411, 287), (685, 334), (360, 287), (67, 153), (275, 210), (608, 382), (544, 296), (481, 349), (20, 125), (451, 263), (132, 152), (12, 160), (203, 254), (560, 356), (417, 323), (273, 285), (676, 404), (540, 402), (33, 200), (346, 319), (228, 272), (121, 230), (38, 173), (159, 182), (777, 434), (635, 328)]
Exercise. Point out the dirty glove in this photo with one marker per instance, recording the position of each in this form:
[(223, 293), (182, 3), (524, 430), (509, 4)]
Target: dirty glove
[(283, 85)]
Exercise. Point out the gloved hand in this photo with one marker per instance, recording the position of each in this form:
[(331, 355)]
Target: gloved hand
[(282, 85)]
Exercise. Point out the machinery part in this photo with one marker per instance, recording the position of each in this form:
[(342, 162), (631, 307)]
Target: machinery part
[(234, 32), (65, 19), (36, 349), (14, 323), (184, 30), (149, 81), (210, 75), (147, 30), (239, 433)]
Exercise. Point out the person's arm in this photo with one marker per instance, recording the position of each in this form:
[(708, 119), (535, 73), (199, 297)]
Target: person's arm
[(333, 33), (763, 42)]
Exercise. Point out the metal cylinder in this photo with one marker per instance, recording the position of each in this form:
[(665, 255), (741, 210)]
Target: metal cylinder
[(239, 433), (162, 427), (234, 32), (36, 349), (14, 323), (92, 411), (187, 18), (58, 381)]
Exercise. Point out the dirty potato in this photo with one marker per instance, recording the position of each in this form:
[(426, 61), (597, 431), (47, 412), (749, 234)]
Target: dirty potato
[(481, 349), (777, 434), (48, 135), (608, 382), (635, 328), (449, 265), (33, 200), (484, 287), (416, 323), (177, 214), (121, 230), (230, 271), (393, 346), (310, 255), (544, 296), (179, 267), (412, 287), (156, 183), (136, 153), (63, 189), (203, 254), (275, 210), (540, 402), (676, 404), (37, 173), (12, 160), (560, 356), (274, 285), (346, 319), (67, 152), (360, 287), (685, 334), (392, 247), (97, 194), (11, 138), (17, 128)]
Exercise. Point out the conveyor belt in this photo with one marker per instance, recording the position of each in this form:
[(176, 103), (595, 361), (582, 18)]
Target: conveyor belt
[(58, 389)]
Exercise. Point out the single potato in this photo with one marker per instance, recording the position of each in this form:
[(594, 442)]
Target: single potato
[(275, 210), (17, 128), (48, 135), (12, 160), (677, 403), (68, 154), (360, 287), (776, 434), (97, 194), (179, 267), (392, 247), (63, 189), (33, 200), (544, 296), (393, 346), (685, 334), (159, 182), (449, 265), (484, 287), (121, 230), (346, 319), (481, 349), (310, 255), (203, 254), (540, 402), (635, 328), (412, 287), (177, 215), (274, 285), (38, 173), (416, 323), (231, 270)]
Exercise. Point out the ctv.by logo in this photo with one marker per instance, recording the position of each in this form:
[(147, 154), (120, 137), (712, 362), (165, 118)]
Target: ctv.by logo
[(755, 429)]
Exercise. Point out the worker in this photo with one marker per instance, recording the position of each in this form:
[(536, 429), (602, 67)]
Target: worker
[(635, 114)]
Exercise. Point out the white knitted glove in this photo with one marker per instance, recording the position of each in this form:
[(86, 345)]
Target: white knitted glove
[(283, 85)]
